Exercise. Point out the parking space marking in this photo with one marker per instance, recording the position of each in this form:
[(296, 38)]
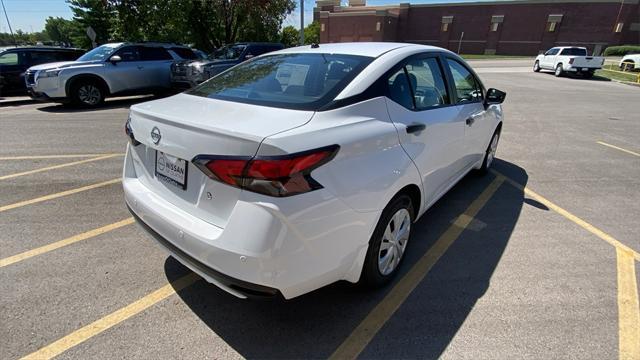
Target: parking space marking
[(67, 156), (68, 241), (380, 314), (58, 166), (585, 225), (628, 307), (618, 148), (81, 335), (58, 194)]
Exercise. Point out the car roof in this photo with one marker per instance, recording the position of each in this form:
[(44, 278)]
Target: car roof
[(370, 49), (43, 48)]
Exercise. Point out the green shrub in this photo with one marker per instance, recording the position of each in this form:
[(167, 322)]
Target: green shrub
[(622, 50)]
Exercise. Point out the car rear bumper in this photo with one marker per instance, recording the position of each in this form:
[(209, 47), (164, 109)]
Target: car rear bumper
[(265, 248)]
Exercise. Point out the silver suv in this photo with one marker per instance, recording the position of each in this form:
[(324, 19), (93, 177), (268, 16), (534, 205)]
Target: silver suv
[(109, 70)]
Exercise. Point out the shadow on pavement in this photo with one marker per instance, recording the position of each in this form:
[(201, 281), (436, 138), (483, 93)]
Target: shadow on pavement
[(314, 325)]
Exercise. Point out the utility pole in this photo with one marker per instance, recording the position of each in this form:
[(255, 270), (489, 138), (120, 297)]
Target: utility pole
[(8, 23), (301, 22)]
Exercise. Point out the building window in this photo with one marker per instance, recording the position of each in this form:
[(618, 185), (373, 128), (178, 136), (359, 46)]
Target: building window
[(619, 27), (378, 26), (551, 27), (445, 27), (446, 20), (322, 27), (494, 26)]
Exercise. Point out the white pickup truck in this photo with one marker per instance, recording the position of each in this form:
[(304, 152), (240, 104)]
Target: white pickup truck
[(568, 59)]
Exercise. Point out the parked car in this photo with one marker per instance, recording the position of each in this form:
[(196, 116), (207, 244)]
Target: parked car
[(186, 74), (16, 60), (309, 165), (108, 70), (630, 62), (568, 59)]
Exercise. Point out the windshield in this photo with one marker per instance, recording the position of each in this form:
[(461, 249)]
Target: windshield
[(574, 51), (99, 53), (229, 52), (293, 81)]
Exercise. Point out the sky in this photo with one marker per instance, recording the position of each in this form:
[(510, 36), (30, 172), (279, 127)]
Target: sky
[(30, 15)]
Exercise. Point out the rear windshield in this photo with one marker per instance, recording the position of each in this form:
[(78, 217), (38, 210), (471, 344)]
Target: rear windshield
[(574, 52), (293, 81)]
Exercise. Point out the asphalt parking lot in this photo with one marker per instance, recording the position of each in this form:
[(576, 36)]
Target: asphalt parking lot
[(536, 260)]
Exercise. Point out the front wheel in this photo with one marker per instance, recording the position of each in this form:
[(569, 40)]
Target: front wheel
[(87, 94), (388, 242), (536, 66), (490, 154), (559, 72)]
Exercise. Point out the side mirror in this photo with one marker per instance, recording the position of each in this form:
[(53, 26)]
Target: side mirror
[(494, 96), (115, 59)]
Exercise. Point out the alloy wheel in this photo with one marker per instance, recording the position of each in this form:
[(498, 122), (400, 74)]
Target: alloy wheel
[(89, 94), (492, 149), (394, 241)]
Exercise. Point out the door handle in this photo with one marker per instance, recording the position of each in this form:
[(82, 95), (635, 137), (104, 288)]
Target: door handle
[(415, 128), (470, 121)]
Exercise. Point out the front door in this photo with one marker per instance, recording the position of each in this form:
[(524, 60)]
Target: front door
[(428, 126), (127, 74), (549, 58)]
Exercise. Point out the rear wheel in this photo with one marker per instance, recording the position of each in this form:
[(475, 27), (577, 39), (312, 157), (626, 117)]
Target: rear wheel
[(388, 242), (559, 72), (87, 93), (536, 66)]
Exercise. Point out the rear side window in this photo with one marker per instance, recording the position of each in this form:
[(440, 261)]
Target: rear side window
[(9, 59), (574, 52), (185, 53), (43, 57), (148, 53), (398, 89), (467, 88), (427, 83), (293, 81)]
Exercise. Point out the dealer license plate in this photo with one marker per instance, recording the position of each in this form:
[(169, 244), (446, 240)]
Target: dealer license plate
[(171, 170)]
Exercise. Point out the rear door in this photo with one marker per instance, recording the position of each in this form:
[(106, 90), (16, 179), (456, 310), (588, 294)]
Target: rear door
[(430, 130), (156, 65), (12, 67)]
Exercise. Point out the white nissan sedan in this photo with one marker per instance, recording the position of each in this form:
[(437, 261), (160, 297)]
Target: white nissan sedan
[(309, 165)]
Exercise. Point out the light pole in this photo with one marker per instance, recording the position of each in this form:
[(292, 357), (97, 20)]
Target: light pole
[(301, 22)]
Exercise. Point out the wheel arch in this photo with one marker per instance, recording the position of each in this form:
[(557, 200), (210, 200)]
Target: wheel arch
[(415, 194), (80, 77)]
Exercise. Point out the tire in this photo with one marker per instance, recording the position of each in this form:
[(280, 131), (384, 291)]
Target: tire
[(559, 72), (87, 93), (374, 272), (536, 66), (490, 154)]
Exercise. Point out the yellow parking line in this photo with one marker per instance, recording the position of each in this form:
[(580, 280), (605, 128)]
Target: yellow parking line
[(618, 148), (68, 241), (57, 195), (77, 337), (628, 307), (367, 329), (585, 225), (58, 166), (67, 156)]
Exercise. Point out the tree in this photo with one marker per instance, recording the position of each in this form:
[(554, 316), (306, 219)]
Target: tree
[(62, 30), (290, 36), (312, 33), (98, 14)]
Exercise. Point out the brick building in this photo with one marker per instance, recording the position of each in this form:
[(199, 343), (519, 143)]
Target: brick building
[(516, 27)]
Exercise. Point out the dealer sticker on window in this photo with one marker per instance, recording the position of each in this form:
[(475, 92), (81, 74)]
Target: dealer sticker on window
[(171, 169)]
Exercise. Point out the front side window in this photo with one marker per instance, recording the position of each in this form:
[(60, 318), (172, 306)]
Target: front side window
[(100, 53), (293, 81), (427, 83), (129, 53), (42, 57), (467, 88), (229, 52), (552, 52), (9, 59)]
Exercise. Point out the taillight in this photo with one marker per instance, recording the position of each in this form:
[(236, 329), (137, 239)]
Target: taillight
[(129, 132), (571, 60), (279, 176)]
